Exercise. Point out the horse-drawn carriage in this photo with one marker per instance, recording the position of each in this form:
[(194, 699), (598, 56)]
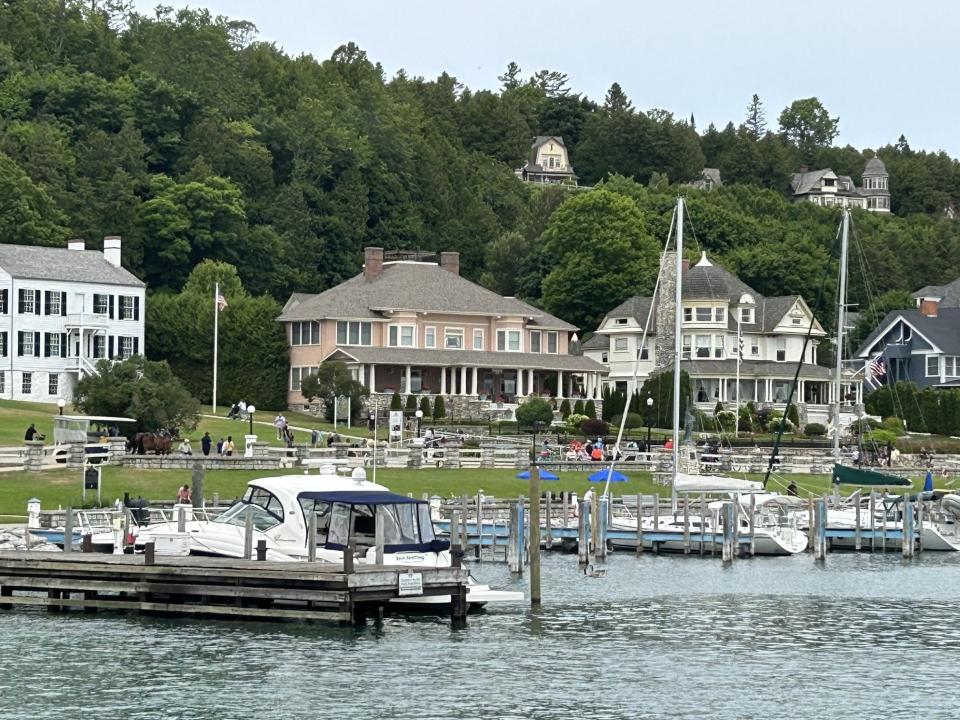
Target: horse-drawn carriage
[(92, 431)]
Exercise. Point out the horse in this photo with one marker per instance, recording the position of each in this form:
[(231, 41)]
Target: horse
[(155, 442)]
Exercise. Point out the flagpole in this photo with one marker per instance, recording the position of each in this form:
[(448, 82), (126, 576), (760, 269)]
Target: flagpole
[(216, 332), (736, 416)]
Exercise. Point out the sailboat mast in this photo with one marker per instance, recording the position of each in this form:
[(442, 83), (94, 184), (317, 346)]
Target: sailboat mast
[(841, 322), (678, 338)]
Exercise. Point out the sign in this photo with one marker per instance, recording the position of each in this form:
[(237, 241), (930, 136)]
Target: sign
[(396, 425), (409, 583), (91, 478)]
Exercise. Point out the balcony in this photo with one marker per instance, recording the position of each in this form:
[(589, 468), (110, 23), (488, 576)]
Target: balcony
[(92, 321)]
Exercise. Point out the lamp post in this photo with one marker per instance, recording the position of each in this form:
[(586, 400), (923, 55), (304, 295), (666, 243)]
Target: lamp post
[(61, 403), (649, 419), (419, 415), (250, 411), (533, 454)]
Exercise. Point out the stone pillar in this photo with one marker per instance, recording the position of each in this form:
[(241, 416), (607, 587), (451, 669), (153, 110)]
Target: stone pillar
[(443, 381), (463, 380), (519, 383), (560, 385), (409, 380), (666, 310), (75, 455), (33, 455), (476, 380)]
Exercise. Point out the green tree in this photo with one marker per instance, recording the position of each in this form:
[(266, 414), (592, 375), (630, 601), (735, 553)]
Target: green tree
[(333, 380), (533, 410), (590, 409), (659, 386), (808, 125), (565, 409), (27, 214), (425, 407), (439, 409), (411, 405), (145, 390), (756, 121)]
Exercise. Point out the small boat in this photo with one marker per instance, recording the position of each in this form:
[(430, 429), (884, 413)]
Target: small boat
[(347, 510)]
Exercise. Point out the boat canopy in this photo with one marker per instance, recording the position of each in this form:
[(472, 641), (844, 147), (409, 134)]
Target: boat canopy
[(844, 475), (684, 483), (359, 497)]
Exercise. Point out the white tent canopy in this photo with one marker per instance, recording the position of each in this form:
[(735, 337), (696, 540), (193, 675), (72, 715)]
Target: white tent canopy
[(684, 483)]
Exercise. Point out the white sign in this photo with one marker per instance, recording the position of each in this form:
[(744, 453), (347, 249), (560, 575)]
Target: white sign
[(396, 425), (409, 583)]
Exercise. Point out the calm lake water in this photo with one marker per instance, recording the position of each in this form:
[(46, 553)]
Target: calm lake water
[(862, 636)]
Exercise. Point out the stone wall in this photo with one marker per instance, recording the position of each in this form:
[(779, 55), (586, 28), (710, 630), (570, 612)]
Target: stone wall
[(665, 315)]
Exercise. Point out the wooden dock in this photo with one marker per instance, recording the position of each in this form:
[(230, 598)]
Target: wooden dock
[(221, 587)]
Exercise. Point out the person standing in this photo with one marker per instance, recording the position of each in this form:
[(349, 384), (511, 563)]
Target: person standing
[(228, 447), (205, 443), (183, 495), (220, 445), (242, 410)]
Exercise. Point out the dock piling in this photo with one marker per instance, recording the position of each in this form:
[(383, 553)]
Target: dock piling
[(68, 530), (873, 521), (378, 535), (729, 521), (583, 533), (149, 553), (312, 538), (261, 550), (686, 524), (248, 534), (639, 523), (535, 534), (753, 523), (600, 549)]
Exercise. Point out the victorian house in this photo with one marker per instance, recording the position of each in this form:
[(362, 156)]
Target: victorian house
[(417, 327), (61, 310), (548, 163), (825, 187), (722, 318)]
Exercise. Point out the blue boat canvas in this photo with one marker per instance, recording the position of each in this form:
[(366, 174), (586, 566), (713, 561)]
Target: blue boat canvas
[(601, 476), (544, 475)]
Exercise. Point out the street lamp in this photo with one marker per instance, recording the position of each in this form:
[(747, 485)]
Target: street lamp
[(61, 403), (419, 415), (250, 411), (649, 419)]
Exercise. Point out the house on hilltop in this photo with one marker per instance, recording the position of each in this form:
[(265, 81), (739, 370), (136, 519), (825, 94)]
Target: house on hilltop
[(549, 162), (825, 187), (418, 327), (62, 310)]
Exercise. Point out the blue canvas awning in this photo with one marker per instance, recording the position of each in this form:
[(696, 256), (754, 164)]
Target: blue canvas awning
[(544, 475), (601, 476)]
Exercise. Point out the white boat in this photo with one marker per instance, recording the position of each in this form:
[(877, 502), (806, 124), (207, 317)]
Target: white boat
[(346, 510)]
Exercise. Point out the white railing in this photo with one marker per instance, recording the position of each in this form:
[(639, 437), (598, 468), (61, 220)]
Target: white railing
[(87, 320)]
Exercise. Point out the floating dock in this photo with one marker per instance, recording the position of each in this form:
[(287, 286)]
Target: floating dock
[(222, 587)]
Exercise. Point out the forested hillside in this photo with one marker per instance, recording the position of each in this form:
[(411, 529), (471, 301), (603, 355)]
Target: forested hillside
[(191, 139)]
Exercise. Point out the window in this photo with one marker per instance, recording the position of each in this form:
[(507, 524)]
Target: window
[(99, 346), (453, 338), (297, 374), (29, 300), (3, 344), (686, 347), (128, 307), (620, 344), (53, 303), (303, 333), (703, 346), (746, 315), (781, 349), (101, 304), (933, 366), (755, 346), (535, 341), (604, 357), (552, 342), (54, 344), (27, 344), (353, 333), (952, 368), (53, 384), (508, 340), (718, 346), (400, 336), (719, 314), (644, 353), (3, 302), (621, 321), (704, 314), (688, 314), (3, 382), (478, 338), (796, 320), (430, 337), (26, 383), (126, 347)]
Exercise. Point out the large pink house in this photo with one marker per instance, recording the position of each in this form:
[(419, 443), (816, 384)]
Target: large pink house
[(417, 327)]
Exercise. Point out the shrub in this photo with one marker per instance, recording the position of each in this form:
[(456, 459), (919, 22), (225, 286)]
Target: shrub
[(814, 429), (590, 409), (894, 425), (881, 436), (565, 409), (574, 421), (745, 420), (578, 407), (439, 410), (535, 410), (793, 416), (425, 406), (633, 421), (411, 403), (594, 427), (395, 402)]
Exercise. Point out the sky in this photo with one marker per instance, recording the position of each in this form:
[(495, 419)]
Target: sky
[(882, 67)]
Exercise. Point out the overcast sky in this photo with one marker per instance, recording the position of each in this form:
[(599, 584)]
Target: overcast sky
[(883, 67)]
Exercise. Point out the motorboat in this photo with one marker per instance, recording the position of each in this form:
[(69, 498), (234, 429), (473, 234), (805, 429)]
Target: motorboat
[(346, 511)]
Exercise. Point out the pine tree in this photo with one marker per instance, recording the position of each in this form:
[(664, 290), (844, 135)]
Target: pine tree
[(439, 410), (395, 402), (578, 407), (411, 403), (756, 121), (565, 409), (590, 410)]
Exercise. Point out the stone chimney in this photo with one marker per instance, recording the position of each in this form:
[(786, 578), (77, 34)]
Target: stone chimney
[(666, 332), (111, 249), (450, 261), (372, 262), (929, 307), (685, 264), (76, 245)]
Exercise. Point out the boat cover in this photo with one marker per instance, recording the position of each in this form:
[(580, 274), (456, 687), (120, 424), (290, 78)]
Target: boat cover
[(857, 476), (713, 484), (358, 497)]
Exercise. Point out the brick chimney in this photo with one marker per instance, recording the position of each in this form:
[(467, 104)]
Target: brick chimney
[(76, 244), (685, 265), (111, 249), (929, 307), (372, 262), (450, 261)]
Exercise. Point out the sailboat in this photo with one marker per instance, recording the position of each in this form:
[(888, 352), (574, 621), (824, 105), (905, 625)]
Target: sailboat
[(773, 523)]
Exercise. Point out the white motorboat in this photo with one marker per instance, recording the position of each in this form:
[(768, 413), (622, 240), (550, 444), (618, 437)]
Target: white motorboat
[(347, 510)]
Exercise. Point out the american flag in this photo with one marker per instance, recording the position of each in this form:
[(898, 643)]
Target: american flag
[(221, 302), (874, 370)]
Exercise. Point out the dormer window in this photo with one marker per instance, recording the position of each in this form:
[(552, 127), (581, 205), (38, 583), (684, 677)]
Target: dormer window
[(620, 321), (747, 315), (829, 182)]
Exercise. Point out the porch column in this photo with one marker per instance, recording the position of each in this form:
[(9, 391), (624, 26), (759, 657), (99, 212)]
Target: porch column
[(722, 382), (373, 378), (409, 379), (530, 382), (463, 380), (560, 384), (443, 381), (571, 384), (519, 382), (476, 380)]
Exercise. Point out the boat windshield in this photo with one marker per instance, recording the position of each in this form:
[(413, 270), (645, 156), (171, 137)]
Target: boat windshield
[(405, 526), (266, 509)]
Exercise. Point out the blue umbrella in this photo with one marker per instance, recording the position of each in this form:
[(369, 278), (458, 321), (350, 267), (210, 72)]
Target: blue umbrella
[(544, 475), (601, 476), (928, 482)]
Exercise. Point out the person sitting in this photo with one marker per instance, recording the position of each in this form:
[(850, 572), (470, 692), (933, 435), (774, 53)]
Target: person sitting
[(32, 433), (668, 445), (183, 495), (185, 448), (792, 488), (234, 413), (596, 454)]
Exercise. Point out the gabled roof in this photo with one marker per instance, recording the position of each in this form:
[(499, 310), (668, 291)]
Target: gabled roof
[(942, 331), (596, 342), (706, 281), (417, 286), (32, 262), (803, 183), (949, 294)]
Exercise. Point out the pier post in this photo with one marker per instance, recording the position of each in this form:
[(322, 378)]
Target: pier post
[(686, 524), (656, 522), (312, 537), (811, 525), (883, 526), (455, 529), (522, 557), (820, 518), (465, 517), (348, 559), (535, 534), (639, 523), (857, 544), (906, 546), (583, 533), (196, 492), (479, 546), (753, 523), (920, 526), (729, 519), (86, 543), (600, 549), (736, 524), (548, 519), (181, 520), (149, 553), (512, 561), (565, 502), (378, 535), (68, 531), (248, 534), (261, 550), (703, 525), (873, 521)]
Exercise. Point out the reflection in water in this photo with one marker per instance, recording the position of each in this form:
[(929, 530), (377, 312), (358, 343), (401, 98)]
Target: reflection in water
[(655, 637)]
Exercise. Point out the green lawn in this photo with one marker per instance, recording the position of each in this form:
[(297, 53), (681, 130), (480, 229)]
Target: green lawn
[(16, 416), (62, 487)]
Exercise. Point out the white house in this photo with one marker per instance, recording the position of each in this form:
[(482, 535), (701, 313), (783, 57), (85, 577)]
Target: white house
[(825, 187), (548, 162), (60, 311)]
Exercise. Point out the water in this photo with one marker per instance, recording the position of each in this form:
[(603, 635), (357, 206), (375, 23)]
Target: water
[(863, 636)]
